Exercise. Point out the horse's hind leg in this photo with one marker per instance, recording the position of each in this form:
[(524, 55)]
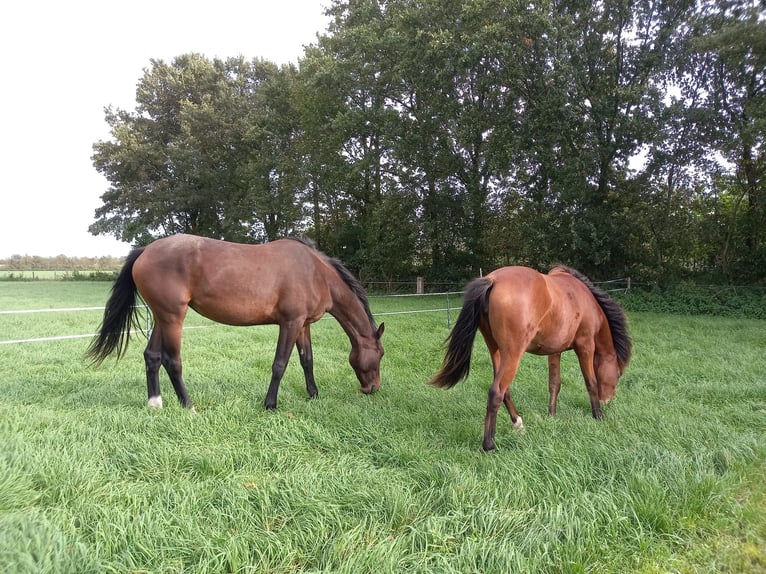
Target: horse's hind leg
[(518, 424), (153, 360), (303, 342), (171, 360), (510, 406), (554, 381), (505, 366)]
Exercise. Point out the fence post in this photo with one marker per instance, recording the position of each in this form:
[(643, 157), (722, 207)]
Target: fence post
[(420, 286), (449, 321)]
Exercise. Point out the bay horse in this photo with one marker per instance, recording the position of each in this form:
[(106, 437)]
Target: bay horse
[(286, 282), (518, 310)]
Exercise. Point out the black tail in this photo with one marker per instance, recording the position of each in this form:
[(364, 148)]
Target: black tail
[(457, 361), (119, 315)]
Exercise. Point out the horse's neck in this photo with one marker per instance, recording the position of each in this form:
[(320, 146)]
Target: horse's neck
[(604, 342), (350, 313)]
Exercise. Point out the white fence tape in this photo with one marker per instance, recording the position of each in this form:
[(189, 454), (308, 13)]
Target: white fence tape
[(51, 310), (446, 294), (86, 336)]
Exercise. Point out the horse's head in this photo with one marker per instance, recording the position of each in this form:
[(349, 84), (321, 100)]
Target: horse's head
[(608, 372), (365, 360)]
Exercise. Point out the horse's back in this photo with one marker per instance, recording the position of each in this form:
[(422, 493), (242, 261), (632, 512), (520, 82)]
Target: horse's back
[(543, 313), (232, 283)]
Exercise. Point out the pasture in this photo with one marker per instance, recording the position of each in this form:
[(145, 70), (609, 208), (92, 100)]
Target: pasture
[(672, 480)]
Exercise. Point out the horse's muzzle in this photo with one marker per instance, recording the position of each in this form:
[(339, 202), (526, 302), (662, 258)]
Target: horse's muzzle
[(369, 389)]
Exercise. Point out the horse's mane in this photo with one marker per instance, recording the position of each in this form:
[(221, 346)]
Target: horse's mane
[(348, 278), (615, 316)]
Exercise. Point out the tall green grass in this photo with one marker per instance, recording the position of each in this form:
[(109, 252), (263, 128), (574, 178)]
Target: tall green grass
[(92, 481)]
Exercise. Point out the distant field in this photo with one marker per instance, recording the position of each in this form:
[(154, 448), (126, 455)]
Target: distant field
[(673, 480), (37, 274), (49, 275)]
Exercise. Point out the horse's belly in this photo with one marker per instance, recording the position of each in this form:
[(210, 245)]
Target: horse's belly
[(253, 310), (549, 345), (235, 315)]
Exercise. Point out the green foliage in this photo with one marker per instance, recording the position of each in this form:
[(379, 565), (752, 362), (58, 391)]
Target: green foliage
[(691, 299), (442, 138), (92, 481), (207, 151)]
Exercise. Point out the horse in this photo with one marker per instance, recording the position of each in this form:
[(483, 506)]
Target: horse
[(518, 310), (286, 282)]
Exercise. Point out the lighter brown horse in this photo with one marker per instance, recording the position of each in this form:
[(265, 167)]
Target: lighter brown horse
[(518, 310), (286, 282)]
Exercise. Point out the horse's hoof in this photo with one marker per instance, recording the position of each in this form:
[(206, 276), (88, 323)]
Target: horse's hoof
[(155, 402), (519, 424), (488, 446)]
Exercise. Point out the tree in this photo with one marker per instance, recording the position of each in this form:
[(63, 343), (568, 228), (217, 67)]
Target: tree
[(594, 103), (445, 137), (203, 153), (729, 49)]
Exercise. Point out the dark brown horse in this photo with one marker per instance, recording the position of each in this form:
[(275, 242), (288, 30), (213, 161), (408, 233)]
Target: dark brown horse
[(286, 282), (519, 310)]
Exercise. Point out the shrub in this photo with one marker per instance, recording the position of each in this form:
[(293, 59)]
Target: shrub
[(691, 299)]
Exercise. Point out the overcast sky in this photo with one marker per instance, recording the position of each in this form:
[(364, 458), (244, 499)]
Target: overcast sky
[(63, 62)]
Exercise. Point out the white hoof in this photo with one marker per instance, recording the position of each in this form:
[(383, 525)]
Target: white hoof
[(155, 402), (519, 424)]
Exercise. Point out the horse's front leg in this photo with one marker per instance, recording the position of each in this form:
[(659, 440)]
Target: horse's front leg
[(303, 342), (554, 381), (288, 333), (585, 358)]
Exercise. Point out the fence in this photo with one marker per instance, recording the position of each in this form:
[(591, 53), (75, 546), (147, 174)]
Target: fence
[(416, 286), (452, 301), (449, 297), (615, 285)]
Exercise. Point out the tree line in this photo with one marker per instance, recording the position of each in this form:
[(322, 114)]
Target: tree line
[(60, 263), (446, 137)]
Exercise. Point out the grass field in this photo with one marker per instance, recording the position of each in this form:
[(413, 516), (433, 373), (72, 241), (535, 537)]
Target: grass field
[(673, 480)]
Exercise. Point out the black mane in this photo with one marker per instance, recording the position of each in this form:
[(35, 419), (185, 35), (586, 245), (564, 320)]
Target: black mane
[(348, 278), (615, 316)]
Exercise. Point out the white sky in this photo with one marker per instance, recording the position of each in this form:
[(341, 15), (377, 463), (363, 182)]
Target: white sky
[(63, 62)]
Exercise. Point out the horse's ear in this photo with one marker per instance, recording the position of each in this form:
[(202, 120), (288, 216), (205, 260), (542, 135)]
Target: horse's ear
[(382, 328)]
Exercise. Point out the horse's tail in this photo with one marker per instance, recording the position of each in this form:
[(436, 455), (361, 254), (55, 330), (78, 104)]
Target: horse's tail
[(119, 315), (457, 360)]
